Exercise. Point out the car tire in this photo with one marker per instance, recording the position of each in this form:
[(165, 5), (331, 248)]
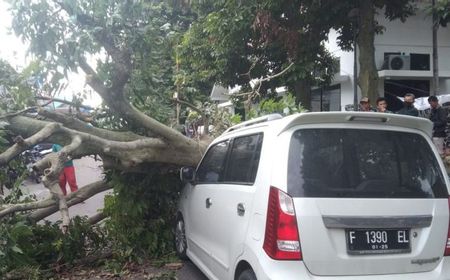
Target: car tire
[(180, 239), (247, 274)]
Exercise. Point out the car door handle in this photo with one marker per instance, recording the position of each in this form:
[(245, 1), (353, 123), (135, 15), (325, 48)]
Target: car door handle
[(240, 209), (208, 202)]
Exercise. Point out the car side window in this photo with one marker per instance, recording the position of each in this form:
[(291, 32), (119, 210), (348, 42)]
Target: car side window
[(212, 166), (243, 161)]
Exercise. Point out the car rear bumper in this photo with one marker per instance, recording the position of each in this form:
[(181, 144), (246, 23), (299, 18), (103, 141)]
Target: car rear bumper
[(285, 270)]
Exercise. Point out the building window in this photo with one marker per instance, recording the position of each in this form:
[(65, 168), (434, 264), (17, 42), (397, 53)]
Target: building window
[(326, 99)]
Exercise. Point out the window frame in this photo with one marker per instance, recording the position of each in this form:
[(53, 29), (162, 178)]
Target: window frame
[(196, 181), (260, 137), (226, 162)]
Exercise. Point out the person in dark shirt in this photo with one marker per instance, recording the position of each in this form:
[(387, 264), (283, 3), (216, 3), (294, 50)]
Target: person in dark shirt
[(382, 105), (408, 108), (439, 118)]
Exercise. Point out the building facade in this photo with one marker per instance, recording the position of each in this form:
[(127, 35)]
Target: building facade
[(403, 56)]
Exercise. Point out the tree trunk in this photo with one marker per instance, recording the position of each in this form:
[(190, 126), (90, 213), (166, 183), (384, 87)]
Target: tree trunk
[(368, 74), (435, 84), (302, 91)]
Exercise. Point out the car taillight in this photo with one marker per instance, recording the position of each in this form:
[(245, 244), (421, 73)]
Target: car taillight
[(281, 240), (447, 244)]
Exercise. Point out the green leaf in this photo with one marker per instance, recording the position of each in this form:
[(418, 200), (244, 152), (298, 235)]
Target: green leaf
[(17, 250)]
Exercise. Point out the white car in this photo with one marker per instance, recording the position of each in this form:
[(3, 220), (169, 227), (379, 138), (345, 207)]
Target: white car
[(331, 196)]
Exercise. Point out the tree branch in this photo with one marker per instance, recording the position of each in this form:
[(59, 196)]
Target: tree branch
[(94, 81), (75, 124), (16, 149), (259, 82), (202, 113), (128, 154), (26, 110), (97, 218), (12, 208), (52, 99), (81, 195)]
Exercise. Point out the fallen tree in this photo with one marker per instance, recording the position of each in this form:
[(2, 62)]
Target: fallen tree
[(167, 151), (155, 147)]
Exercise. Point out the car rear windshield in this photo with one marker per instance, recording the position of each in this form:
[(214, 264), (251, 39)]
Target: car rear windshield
[(363, 163)]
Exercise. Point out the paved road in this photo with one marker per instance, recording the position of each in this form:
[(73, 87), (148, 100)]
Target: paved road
[(190, 272)]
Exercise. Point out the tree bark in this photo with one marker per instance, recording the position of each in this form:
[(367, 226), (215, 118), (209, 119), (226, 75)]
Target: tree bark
[(368, 74), (163, 153), (176, 151), (302, 91), (435, 83)]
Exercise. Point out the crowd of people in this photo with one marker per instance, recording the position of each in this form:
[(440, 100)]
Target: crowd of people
[(438, 116)]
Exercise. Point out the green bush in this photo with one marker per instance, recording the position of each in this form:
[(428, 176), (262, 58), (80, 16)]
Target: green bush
[(141, 211), (283, 105), (41, 246)]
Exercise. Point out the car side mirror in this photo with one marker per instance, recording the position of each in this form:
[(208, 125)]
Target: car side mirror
[(187, 174)]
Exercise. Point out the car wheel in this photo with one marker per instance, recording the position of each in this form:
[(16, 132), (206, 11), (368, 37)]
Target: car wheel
[(247, 274), (180, 239)]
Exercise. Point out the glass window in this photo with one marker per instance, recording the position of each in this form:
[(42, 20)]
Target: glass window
[(244, 159), (363, 163), (211, 168), (326, 99)]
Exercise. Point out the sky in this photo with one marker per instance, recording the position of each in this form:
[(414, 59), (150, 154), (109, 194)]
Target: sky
[(14, 51)]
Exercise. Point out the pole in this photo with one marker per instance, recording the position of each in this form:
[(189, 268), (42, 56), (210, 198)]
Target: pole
[(355, 71), (435, 83), (321, 98)]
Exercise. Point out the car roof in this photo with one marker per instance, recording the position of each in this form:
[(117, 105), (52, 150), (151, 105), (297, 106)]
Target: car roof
[(280, 124)]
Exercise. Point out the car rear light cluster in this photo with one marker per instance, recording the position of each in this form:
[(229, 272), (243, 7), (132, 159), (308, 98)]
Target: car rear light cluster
[(447, 244), (281, 240)]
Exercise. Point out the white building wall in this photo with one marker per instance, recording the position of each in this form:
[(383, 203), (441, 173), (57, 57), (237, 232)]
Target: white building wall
[(346, 68), (347, 93), (444, 86), (346, 58), (413, 36)]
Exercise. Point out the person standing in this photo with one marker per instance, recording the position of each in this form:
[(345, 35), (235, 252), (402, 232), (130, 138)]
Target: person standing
[(67, 174), (364, 105), (439, 118), (382, 105), (408, 106)]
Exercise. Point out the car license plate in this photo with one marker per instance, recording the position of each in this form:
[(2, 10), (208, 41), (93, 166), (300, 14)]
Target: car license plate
[(377, 241)]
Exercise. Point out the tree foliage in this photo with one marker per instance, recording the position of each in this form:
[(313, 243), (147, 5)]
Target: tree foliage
[(234, 42), (16, 89), (442, 10), (135, 34)]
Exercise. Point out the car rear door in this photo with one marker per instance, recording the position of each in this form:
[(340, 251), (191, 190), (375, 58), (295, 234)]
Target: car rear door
[(368, 201)]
